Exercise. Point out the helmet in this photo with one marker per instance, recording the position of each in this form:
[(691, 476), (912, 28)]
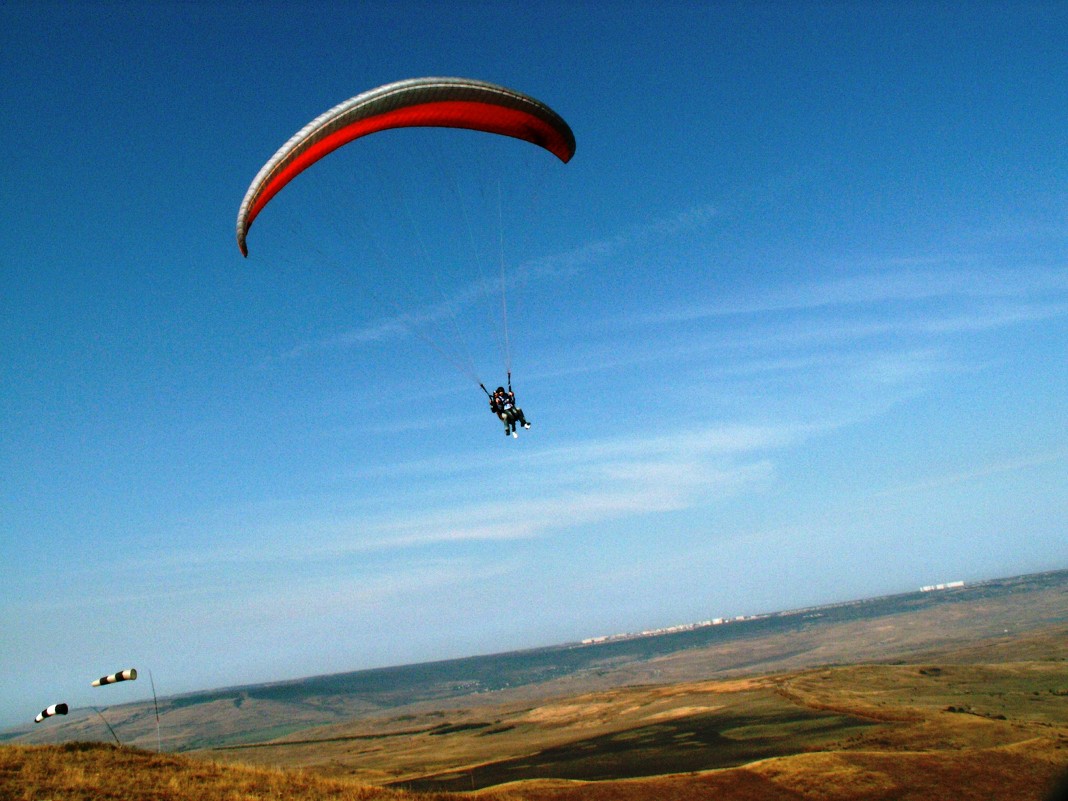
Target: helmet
[(500, 389)]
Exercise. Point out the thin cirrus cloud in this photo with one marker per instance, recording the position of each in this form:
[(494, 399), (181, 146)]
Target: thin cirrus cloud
[(1027, 288), (580, 484), (886, 315), (901, 298), (982, 471), (567, 264)]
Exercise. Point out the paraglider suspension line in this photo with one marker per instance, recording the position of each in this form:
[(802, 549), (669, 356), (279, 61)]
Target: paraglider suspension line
[(504, 294), (449, 179), (432, 268)]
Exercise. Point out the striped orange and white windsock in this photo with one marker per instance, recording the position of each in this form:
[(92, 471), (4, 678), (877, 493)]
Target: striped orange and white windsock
[(55, 709), (123, 675)]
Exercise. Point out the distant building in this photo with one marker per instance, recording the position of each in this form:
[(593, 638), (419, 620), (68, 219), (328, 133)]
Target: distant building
[(947, 586)]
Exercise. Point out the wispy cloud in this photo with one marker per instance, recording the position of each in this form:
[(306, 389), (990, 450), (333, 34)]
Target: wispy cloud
[(1034, 287), (858, 344), (873, 324), (421, 315), (585, 483), (987, 470), (592, 254)]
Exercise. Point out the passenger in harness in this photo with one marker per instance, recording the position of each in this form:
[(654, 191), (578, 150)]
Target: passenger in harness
[(503, 405)]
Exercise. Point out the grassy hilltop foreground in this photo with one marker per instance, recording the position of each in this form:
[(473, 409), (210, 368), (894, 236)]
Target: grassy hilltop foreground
[(89, 771), (1020, 771)]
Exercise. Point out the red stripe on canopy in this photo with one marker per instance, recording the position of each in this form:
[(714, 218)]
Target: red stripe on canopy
[(468, 114)]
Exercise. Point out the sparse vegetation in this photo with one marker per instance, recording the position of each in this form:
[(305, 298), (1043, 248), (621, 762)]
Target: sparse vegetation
[(88, 772), (92, 771)]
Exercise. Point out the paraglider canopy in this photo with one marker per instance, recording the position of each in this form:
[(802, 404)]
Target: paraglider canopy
[(417, 102)]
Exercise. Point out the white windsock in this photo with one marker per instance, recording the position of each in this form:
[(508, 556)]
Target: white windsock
[(123, 675), (55, 709)]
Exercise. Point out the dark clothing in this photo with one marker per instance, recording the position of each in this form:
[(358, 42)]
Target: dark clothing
[(503, 405), (501, 402)]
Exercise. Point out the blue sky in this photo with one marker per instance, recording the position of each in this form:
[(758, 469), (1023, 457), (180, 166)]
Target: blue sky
[(791, 329)]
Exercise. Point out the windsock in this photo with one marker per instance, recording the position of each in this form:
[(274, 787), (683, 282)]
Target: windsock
[(55, 709), (124, 675)]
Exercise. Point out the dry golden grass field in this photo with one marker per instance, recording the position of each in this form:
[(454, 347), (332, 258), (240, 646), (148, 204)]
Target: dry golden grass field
[(985, 720)]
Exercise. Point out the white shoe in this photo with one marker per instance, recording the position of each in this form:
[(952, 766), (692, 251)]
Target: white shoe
[(526, 425), (515, 435)]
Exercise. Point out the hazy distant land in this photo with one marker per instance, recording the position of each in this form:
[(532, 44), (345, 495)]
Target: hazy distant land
[(869, 630), (905, 696)]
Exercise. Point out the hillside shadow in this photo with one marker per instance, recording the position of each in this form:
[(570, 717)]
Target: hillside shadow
[(694, 743)]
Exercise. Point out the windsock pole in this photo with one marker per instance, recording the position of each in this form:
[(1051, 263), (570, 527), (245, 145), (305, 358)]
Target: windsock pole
[(55, 709), (155, 703), (123, 675), (113, 734)]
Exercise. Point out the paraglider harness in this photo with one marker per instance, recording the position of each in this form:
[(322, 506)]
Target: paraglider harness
[(503, 405)]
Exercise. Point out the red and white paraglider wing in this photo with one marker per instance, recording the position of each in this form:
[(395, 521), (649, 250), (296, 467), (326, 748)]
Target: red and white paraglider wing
[(418, 102)]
